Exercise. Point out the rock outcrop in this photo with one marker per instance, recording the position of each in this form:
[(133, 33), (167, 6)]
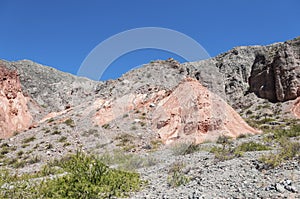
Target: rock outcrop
[(192, 112), (14, 113), (275, 72)]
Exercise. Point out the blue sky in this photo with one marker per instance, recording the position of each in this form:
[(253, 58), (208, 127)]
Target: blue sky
[(61, 33)]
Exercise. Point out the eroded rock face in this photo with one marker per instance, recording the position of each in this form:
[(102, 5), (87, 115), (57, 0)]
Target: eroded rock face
[(192, 112), (275, 72), (112, 109), (14, 114)]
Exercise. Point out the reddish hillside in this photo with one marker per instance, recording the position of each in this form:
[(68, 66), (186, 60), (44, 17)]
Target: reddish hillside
[(14, 114)]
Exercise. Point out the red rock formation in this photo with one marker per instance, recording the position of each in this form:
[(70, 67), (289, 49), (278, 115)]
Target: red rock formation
[(193, 113), (14, 114), (112, 109)]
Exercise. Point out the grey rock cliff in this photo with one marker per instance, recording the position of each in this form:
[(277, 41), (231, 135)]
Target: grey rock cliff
[(276, 72)]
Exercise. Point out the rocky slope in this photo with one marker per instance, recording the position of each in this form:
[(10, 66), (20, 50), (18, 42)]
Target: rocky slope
[(191, 112), (163, 102)]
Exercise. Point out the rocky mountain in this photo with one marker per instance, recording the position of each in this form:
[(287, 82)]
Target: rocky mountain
[(178, 114)]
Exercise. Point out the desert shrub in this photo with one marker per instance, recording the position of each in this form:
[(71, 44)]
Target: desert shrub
[(106, 126), (4, 151), (249, 112), (48, 146), (252, 146), (66, 144), (176, 176), (50, 120), (223, 139), (82, 176), (27, 140), (62, 139), (155, 144), (184, 148), (242, 136), (293, 131), (127, 162), (20, 153), (70, 122), (56, 132), (224, 153), (126, 141), (288, 151)]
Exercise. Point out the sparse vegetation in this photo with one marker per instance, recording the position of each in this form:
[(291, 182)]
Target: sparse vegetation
[(50, 120), (176, 176), (56, 132), (90, 132), (48, 146), (155, 144), (27, 140), (127, 161), (126, 141), (20, 153), (62, 139), (288, 151), (227, 151), (70, 122), (106, 126), (223, 140), (86, 177), (184, 148), (66, 144), (251, 146)]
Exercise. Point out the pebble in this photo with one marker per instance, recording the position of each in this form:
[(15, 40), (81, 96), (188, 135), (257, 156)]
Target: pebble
[(279, 188)]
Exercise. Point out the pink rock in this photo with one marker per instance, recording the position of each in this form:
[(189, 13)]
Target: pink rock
[(193, 113)]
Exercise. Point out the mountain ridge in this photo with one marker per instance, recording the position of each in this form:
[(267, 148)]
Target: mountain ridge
[(158, 107)]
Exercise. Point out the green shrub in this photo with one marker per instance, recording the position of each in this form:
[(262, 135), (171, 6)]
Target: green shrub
[(127, 161), (224, 140), (56, 132), (27, 140), (224, 153), (252, 146), (50, 120), (106, 126), (70, 122), (62, 139), (288, 151), (293, 131), (20, 153), (176, 176), (184, 148), (83, 177)]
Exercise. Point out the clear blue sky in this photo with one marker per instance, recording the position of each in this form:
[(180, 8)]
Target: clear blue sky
[(61, 33)]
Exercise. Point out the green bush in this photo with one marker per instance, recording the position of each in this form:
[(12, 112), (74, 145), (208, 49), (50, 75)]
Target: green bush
[(252, 146), (27, 140), (176, 176), (293, 131), (82, 176), (224, 153), (127, 162), (70, 122), (288, 151), (184, 148), (227, 152)]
